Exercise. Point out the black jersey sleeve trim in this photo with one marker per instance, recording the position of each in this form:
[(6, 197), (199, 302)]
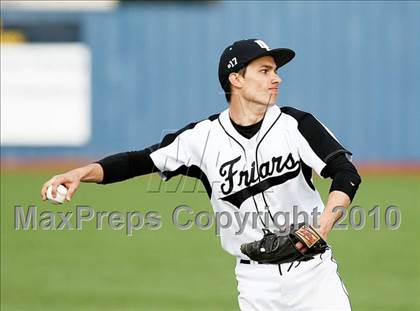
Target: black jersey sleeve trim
[(169, 138), (191, 171), (325, 146)]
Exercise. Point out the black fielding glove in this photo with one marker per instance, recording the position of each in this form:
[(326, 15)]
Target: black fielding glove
[(279, 248)]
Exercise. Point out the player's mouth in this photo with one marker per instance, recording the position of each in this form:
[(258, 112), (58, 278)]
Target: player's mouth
[(274, 90)]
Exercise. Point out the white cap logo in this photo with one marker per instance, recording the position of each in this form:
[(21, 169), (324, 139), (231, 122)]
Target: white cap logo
[(232, 63), (262, 44)]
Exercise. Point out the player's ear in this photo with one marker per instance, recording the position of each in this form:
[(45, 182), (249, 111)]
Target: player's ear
[(235, 79)]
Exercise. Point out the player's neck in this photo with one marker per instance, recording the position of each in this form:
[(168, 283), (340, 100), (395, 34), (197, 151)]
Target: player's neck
[(245, 113)]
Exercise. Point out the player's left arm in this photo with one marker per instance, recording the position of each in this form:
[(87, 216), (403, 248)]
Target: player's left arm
[(345, 182), (321, 150)]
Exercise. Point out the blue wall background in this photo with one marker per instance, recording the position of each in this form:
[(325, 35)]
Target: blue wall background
[(155, 69)]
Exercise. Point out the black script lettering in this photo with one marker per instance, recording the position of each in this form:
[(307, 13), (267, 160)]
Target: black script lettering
[(227, 169), (249, 177), (290, 162), (265, 169)]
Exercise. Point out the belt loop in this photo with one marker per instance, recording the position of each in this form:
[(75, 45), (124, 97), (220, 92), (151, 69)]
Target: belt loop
[(244, 261)]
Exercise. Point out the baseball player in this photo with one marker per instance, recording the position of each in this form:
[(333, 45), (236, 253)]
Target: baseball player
[(256, 158)]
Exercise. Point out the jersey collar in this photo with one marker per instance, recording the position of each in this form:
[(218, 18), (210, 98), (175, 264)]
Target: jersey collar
[(271, 116)]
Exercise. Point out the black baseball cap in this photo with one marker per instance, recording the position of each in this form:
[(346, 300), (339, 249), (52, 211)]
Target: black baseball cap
[(241, 53)]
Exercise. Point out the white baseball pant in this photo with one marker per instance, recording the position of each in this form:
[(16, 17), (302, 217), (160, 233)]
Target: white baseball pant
[(309, 286)]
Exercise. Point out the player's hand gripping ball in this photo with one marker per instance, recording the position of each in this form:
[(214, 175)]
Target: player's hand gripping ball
[(60, 197), (278, 248)]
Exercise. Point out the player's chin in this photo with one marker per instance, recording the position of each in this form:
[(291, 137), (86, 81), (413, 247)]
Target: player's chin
[(272, 99)]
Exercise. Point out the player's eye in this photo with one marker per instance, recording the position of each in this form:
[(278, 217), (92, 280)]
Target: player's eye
[(264, 70)]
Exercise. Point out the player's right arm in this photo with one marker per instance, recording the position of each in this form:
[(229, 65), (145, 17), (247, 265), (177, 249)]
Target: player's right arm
[(169, 158), (114, 168)]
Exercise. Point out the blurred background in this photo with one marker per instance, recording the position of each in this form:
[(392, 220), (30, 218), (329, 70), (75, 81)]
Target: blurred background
[(84, 79)]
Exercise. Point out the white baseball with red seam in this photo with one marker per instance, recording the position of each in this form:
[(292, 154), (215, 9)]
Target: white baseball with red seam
[(60, 197)]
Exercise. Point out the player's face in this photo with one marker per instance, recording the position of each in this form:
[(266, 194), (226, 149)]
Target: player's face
[(261, 82)]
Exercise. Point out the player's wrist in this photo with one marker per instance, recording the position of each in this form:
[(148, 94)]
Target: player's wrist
[(323, 231), (91, 173), (85, 173), (326, 224)]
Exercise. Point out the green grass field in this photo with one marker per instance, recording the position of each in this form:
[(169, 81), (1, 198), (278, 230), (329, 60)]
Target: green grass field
[(171, 269)]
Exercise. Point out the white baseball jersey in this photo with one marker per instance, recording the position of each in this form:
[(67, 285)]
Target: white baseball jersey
[(270, 172)]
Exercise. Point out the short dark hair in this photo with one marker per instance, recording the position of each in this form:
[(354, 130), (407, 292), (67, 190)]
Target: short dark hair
[(228, 94)]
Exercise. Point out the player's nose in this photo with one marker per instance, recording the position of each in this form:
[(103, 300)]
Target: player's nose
[(276, 79)]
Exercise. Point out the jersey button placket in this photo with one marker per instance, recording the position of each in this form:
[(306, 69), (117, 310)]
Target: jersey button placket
[(250, 155)]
